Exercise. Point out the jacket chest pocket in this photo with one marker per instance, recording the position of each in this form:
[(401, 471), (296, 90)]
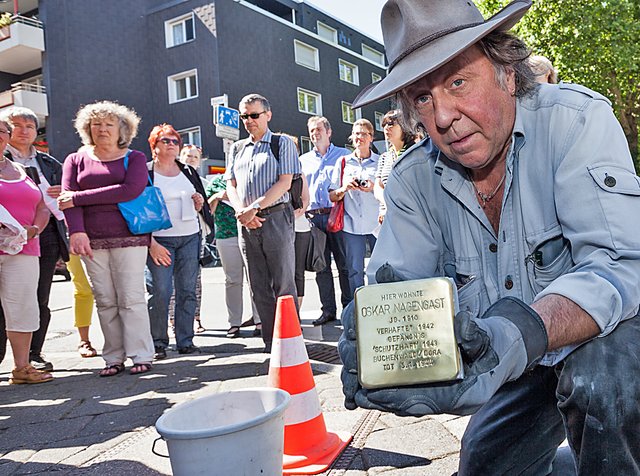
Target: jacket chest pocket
[(467, 275), (549, 259)]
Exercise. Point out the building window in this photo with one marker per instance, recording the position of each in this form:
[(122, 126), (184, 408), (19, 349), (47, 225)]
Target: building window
[(375, 77), (348, 72), (191, 136), (350, 115), (309, 102), (183, 86), (305, 145), (373, 55), (328, 33), (306, 55), (179, 30), (378, 120)]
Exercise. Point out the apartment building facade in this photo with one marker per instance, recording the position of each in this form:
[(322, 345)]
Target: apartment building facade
[(168, 58)]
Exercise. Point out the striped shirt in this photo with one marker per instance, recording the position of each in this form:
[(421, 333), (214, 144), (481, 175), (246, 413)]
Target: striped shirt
[(256, 170)]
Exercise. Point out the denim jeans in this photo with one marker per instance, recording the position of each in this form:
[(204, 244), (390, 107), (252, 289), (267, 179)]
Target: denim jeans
[(182, 274), (324, 278), (591, 397), (355, 251)]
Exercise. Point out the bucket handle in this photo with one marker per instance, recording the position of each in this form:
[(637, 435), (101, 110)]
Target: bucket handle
[(153, 448)]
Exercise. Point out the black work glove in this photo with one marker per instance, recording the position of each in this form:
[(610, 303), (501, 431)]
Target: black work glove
[(347, 341)]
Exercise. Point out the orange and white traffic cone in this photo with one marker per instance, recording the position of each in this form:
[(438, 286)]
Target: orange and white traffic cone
[(308, 447)]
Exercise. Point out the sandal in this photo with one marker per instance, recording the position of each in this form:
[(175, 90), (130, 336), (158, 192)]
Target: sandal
[(28, 374), (257, 332), (111, 370), (140, 368), (199, 328), (85, 349), (233, 332)]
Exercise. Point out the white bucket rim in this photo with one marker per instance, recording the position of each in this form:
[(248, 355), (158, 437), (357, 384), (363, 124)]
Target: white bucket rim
[(173, 434)]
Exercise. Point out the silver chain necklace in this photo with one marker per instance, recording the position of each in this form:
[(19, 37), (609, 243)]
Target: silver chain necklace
[(487, 197)]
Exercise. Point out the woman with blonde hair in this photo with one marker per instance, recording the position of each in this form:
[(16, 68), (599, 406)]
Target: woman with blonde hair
[(352, 181), (94, 181)]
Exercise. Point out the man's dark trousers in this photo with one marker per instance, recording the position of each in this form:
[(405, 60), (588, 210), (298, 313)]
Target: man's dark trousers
[(271, 264), (49, 255), (324, 278), (591, 397)]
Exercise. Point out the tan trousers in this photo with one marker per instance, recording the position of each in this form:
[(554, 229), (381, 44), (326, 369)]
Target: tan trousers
[(18, 284), (117, 280)]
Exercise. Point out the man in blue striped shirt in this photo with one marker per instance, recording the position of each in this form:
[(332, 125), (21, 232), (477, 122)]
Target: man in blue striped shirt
[(318, 165), (257, 186)]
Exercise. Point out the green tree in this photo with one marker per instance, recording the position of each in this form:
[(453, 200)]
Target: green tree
[(595, 43)]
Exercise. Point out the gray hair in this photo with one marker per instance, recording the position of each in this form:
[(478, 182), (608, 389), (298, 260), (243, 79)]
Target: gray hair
[(21, 113), (128, 121), (319, 120), (507, 53), (254, 97), (542, 68)]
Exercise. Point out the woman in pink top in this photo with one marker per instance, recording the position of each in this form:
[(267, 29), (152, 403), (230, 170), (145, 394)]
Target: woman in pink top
[(18, 283), (94, 181)]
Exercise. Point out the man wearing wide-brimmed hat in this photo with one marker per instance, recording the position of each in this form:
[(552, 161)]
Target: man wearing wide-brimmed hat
[(526, 196)]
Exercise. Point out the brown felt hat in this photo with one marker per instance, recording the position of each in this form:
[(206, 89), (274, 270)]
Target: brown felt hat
[(422, 35)]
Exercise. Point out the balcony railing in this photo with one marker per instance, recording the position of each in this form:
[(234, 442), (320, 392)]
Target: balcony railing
[(28, 95), (21, 45)]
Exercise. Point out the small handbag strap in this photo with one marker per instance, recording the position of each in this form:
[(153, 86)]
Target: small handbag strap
[(344, 159), (126, 165)]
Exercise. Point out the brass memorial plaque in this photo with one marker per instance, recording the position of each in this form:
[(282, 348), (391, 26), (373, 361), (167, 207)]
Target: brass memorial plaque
[(405, 333)]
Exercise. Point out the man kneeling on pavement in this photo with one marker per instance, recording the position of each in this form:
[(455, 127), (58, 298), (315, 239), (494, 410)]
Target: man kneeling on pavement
[(524, 194)]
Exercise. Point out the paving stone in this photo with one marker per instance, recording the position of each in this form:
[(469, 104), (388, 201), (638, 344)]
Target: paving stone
[(43, 435), (457, 426), (409, 445)]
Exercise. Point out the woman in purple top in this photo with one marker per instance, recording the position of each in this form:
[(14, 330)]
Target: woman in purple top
[(94, 181)]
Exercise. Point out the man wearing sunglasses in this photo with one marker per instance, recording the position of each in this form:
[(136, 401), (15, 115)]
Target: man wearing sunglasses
[(257, 186)]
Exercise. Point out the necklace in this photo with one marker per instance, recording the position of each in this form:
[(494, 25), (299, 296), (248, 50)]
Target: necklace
[(487, 197)]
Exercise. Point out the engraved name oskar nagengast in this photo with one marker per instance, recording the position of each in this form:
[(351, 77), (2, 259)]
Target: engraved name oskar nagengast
[(405, 333)]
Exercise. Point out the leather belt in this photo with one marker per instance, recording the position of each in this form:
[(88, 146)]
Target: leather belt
[(319, 211), (272, 209)]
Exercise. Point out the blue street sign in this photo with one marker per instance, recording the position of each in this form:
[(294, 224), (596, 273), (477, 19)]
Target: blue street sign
[(228, 117)]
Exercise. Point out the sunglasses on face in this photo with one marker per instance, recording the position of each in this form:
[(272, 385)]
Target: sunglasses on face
[(167, 141), (253, 115), (389, 123)]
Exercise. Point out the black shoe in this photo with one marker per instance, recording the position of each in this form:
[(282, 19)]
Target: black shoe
[(267, 348), (38, 363), (161, 353), (324, 319), (189, 350), (248, 323), (233, 332), (257, 332)]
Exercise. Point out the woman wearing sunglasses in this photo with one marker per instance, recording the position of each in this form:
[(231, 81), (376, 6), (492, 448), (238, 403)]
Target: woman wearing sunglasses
[(398, 137), (94, 181), (174, 253)]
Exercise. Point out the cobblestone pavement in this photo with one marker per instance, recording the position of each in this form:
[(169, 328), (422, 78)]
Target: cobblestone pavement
[(82, 424)]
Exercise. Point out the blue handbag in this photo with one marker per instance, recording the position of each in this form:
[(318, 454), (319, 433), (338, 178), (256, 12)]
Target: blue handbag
[(147, 212)]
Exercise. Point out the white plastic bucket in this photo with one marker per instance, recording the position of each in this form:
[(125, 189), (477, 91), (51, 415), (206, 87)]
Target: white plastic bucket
[(232, 433)]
